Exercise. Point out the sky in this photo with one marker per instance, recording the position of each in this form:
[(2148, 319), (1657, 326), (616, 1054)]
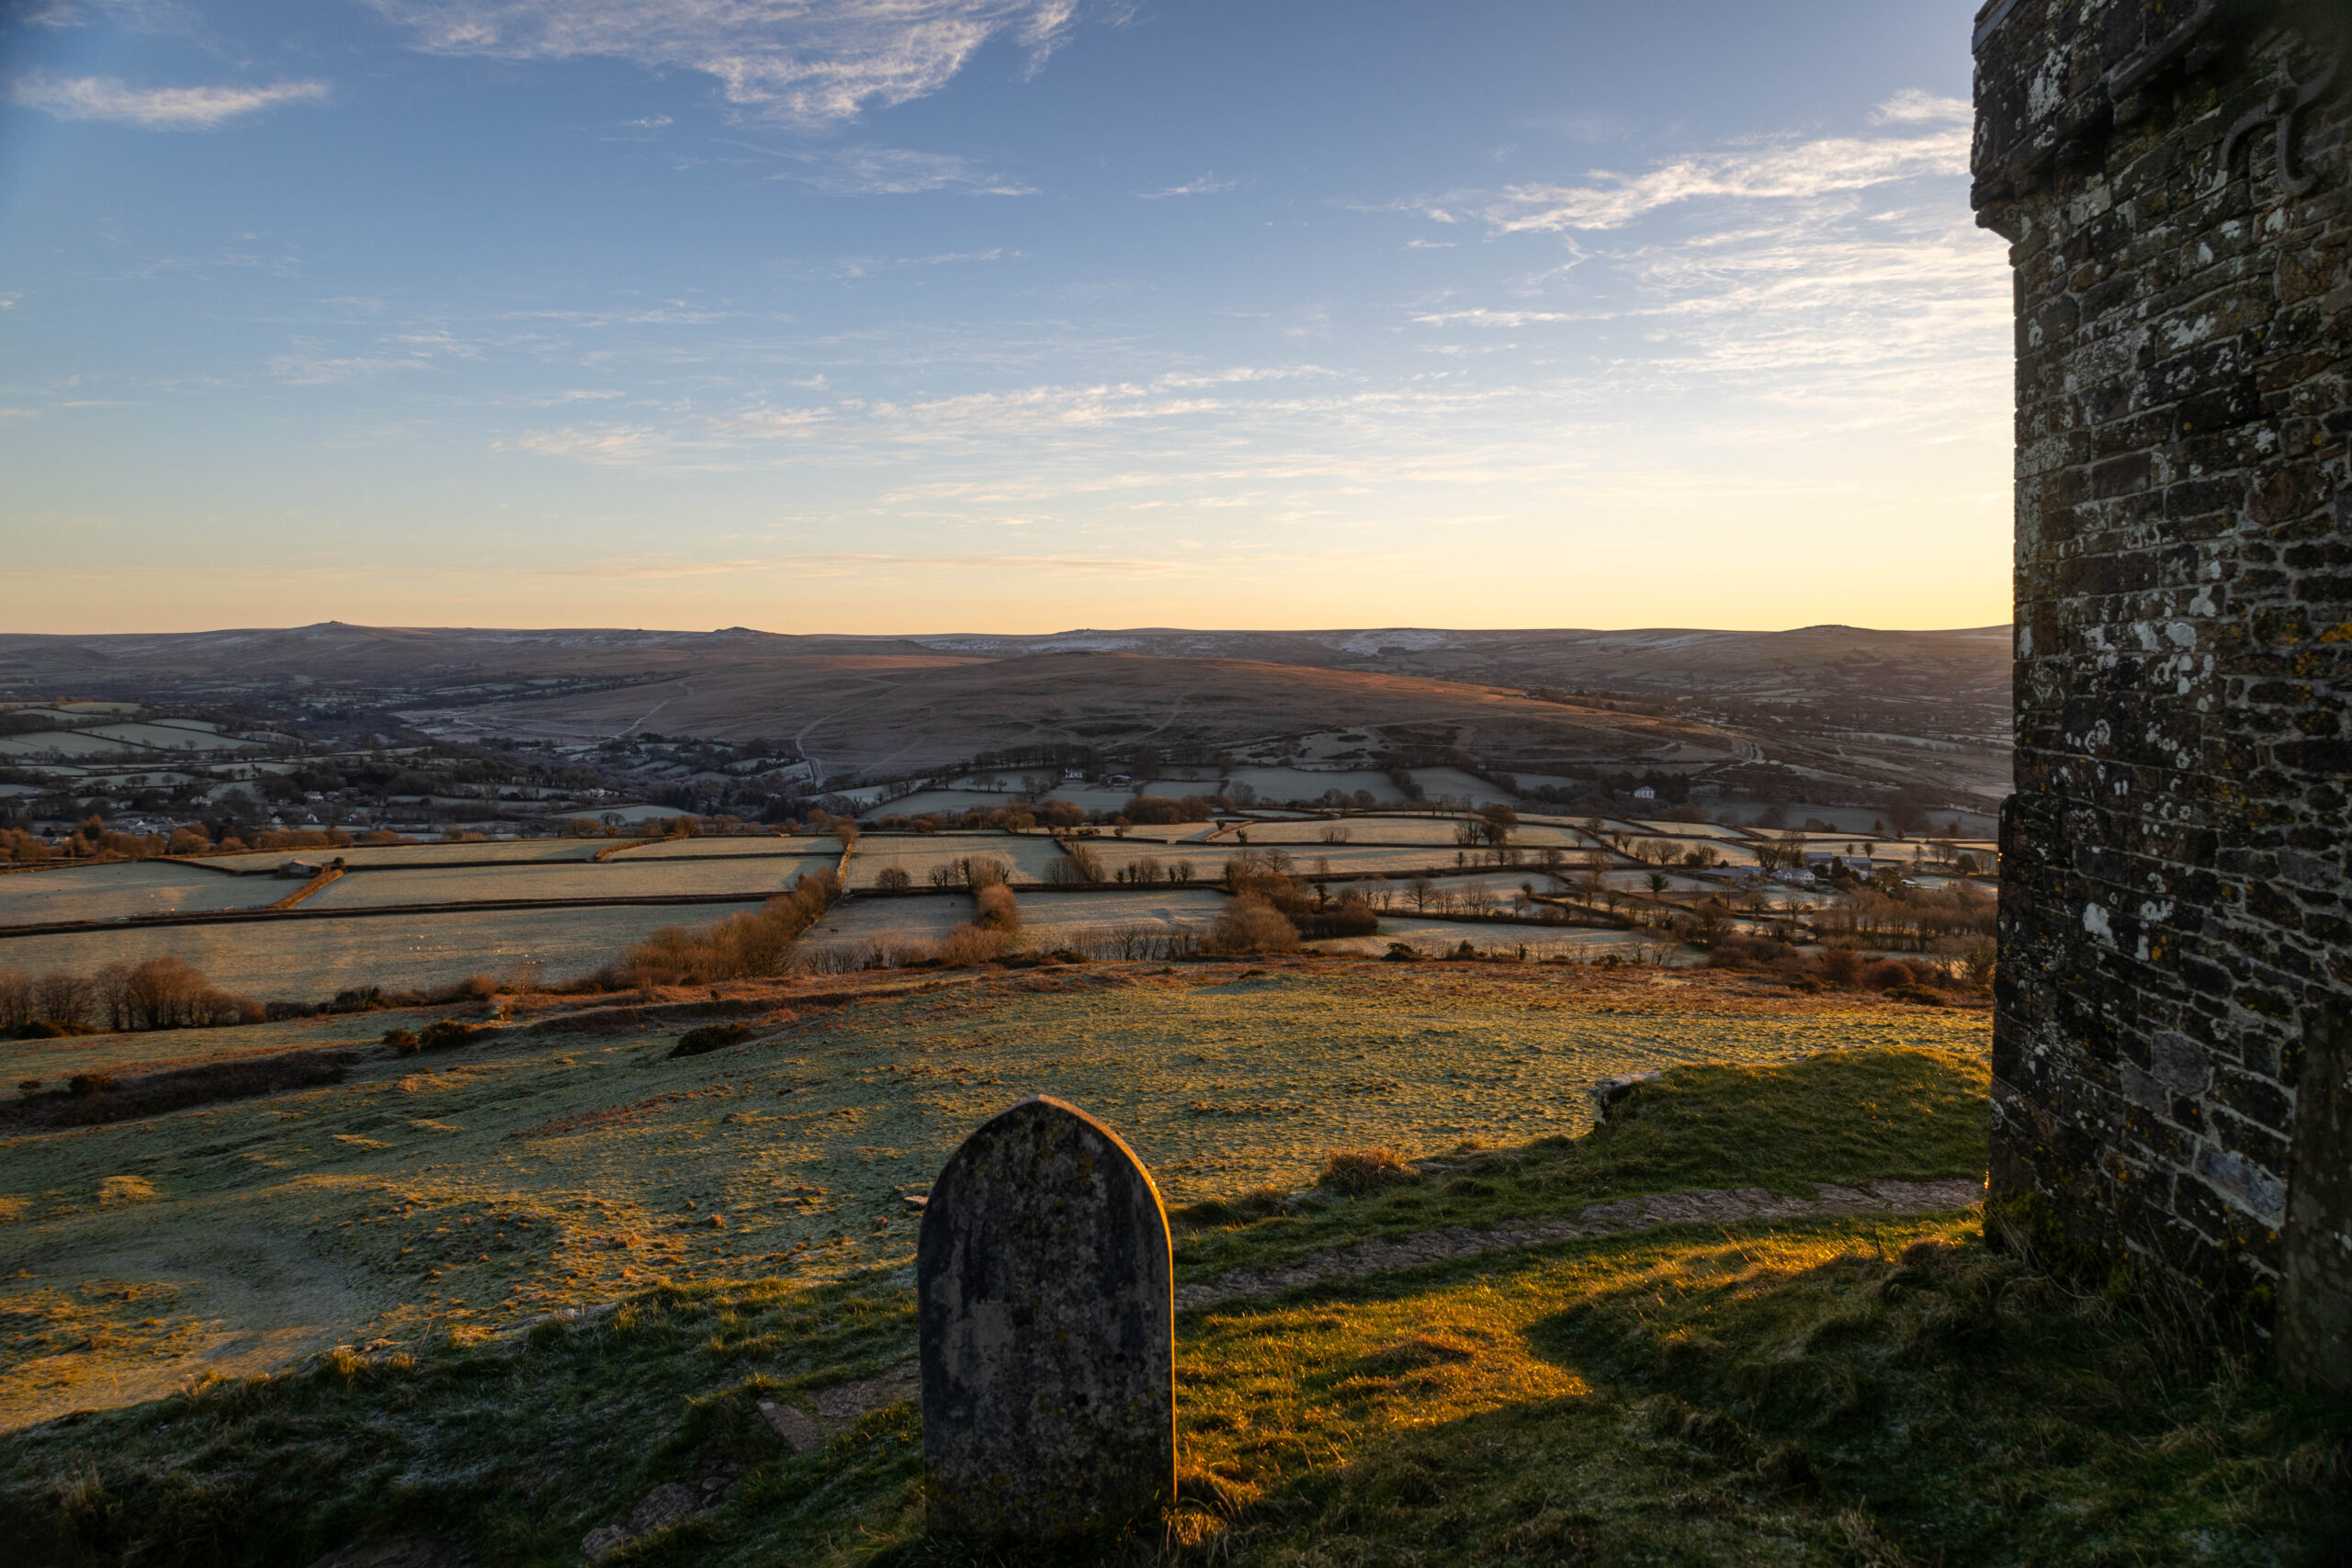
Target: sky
[(893, 316)]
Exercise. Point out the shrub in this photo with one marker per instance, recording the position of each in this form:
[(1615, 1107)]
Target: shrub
[(472, 989), (1079, 867), (742, 945), (1355, 1172), (966, 945), (1842, 966), (165, 993), (446, 1036), (1156, 808), (1887, 973), (1350, 916), (710, 1037), (1249, 924), (82, 1085), (993, 908)]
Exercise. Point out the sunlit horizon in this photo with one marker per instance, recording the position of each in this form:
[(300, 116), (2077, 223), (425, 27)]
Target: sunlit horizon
[(1025, 319)]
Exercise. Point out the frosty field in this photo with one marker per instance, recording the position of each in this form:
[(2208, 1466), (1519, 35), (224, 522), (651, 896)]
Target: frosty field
[(308, 960), (615, 878), (1028, 855), (825, 849), (112, 892), (485, 1185), (1057, 920)]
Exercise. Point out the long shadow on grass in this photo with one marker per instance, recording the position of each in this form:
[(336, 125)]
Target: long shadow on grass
[(1833, 1392)]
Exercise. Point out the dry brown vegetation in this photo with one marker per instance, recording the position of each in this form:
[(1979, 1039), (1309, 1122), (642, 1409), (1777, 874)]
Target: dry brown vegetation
[(162, 993), (743, 946), (1251, 924)]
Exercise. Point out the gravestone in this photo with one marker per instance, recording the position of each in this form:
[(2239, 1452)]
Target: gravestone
[(1046, 1295)]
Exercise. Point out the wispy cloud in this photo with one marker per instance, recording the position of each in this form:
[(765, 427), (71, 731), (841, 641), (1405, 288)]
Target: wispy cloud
[(869, 266), (1483, 317), (1776, 172), (134, 15), (1206, 185), (811, 62), (894, 170), (154, 109), (1912, 106), (858, 429), (308, 364)]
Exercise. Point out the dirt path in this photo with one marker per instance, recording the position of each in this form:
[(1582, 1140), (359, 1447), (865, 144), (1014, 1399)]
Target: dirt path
[(1706, 1207)]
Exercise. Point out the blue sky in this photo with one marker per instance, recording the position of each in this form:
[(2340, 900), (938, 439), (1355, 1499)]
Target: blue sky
[(1014, 315)]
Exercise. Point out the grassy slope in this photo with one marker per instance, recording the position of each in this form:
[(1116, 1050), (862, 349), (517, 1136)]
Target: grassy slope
[(1829, 1391), (485, 1185)]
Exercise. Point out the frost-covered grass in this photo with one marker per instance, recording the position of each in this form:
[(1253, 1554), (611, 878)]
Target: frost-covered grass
[(310, 961), (114, 890), (617, 877), (1027, 856)]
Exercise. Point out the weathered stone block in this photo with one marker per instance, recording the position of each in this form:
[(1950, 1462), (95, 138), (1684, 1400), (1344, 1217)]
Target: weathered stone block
[(1046, 1300), (2176, 888)]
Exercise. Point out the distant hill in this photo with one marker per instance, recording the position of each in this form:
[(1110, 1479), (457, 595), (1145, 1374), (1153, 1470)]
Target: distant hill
[(1832, 702)]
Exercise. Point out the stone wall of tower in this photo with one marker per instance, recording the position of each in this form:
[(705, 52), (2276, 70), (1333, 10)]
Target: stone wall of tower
[(2173, 1034)]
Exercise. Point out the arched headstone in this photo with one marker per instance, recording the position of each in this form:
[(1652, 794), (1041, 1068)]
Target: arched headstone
[(1045, 1294)]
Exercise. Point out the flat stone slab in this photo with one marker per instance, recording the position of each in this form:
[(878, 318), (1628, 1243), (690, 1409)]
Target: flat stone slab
[(1044, 1297)]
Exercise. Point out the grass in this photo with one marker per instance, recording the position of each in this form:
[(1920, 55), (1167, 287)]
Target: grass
[(1910, 1114), (1825, 1391), (487, 1185)]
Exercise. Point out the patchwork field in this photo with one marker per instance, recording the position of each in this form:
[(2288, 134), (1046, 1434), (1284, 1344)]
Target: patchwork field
[(310, 960), (1027, 856), (866, 921), (113, 892), (1062, 919), (520, 851), (546, 1169), (1585, 943), (825, 849), (615, 878)]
